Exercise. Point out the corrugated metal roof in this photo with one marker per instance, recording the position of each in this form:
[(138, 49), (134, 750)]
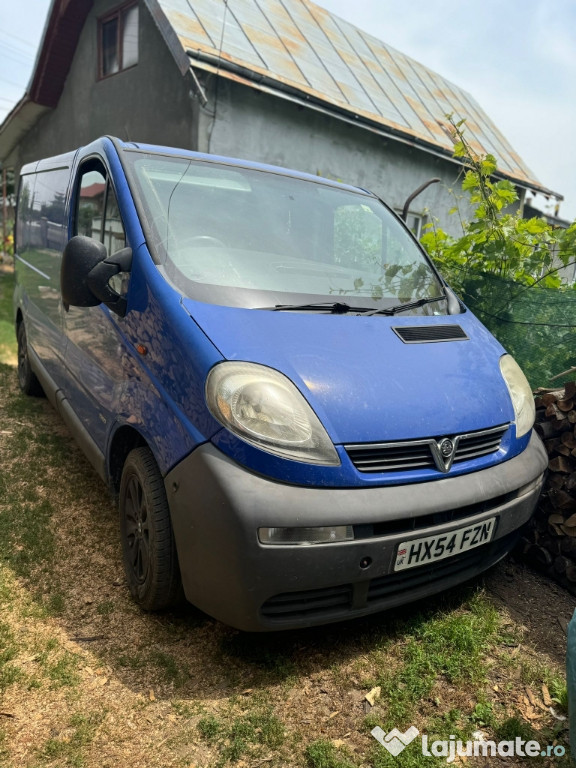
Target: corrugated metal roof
[(298, 44)]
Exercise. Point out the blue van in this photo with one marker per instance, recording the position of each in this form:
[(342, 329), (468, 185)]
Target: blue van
[(300, 420)]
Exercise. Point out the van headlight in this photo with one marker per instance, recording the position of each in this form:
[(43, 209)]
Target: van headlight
[(520, 394), (264, 408)]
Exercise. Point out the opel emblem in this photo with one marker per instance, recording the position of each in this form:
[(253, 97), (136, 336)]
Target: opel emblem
[(446, 448)]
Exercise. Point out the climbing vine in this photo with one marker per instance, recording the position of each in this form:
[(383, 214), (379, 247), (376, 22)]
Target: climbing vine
[(497, 240)]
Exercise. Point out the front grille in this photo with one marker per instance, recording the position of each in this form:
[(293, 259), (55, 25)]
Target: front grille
[(407, 525), (479, 444), (424, 334), (417, 454), (391, 457), (331, 603), (472, 562), (312, 602)]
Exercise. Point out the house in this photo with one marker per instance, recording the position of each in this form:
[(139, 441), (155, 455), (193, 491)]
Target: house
[(279, 81)]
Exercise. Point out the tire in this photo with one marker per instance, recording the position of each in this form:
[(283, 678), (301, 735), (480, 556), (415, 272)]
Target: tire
[(148, 547), (27, 380)]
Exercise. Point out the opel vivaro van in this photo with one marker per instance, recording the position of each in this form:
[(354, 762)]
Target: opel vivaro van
[(301, 421)]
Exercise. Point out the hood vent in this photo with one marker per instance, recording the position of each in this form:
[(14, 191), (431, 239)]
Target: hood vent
[(422, 334)]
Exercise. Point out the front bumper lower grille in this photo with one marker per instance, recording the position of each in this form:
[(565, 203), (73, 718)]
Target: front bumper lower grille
[(313, 605)]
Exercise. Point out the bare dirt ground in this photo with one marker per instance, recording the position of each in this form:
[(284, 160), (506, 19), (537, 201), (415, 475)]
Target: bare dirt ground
[(534, 601), (101, 684)]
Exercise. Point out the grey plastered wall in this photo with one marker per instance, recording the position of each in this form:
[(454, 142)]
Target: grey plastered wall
[(258, 126), (151, 102)]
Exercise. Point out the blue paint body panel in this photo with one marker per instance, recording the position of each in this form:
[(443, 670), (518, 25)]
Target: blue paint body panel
[(366, 385)]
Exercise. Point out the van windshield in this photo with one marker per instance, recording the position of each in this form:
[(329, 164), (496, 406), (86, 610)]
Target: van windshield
[(237, 236)]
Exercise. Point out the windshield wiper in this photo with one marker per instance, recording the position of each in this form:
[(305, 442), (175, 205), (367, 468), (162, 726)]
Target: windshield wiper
[(335, 308), (402, 307), (341, 308)]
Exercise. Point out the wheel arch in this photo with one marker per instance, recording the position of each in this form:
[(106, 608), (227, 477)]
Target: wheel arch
[(124, 440)]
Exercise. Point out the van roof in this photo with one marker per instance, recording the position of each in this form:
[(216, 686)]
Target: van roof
[(49, 163), (99, 145)]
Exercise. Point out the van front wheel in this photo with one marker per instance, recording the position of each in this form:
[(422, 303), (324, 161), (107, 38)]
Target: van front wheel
[(27, 380), (148, 547)]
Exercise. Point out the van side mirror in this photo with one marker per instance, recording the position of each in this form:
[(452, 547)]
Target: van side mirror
[(86, 271)]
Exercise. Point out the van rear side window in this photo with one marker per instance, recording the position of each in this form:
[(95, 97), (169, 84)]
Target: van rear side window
[(24, 219), (42, 209)]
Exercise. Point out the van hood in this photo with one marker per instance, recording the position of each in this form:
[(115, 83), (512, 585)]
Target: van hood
[(365, 383)]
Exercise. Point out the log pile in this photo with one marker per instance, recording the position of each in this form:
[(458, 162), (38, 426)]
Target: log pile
[(550, 542)]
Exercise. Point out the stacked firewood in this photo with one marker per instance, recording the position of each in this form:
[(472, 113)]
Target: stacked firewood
[(550, 543)]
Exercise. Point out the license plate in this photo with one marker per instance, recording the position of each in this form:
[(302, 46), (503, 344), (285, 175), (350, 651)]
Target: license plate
[(432, 548)]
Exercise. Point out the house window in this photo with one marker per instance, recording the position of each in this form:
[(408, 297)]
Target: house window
[(415, 222), (118, 40)]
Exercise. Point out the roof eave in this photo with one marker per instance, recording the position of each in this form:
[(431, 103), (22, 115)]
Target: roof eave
[(231, 71), (17, 124), (62, 30)]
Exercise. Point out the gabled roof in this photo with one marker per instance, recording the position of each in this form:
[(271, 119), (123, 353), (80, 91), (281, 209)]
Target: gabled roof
[(295, 49), (299, 44)]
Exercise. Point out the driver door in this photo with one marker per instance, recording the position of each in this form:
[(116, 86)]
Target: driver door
[(94, 352)]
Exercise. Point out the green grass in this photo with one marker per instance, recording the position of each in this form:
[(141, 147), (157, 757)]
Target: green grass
[(31, 483), (268, 656), (69, 747), (105, 608), (133, 660), (55, 604), (323, 754), (513, 727), (63, 672), (483, 714), (25, 529), (187, 709), (448, 650), (446, 647), (434, 669), (243, 736), (210, 727), (7, 334), (59, 666), (9, 672), (168, 665)]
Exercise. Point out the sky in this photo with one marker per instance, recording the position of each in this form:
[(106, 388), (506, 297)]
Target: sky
[(516, 57)]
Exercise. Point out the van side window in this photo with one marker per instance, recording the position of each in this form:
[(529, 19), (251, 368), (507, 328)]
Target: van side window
[(98, 215), (97, 212), (24, 218), (42, 205), (90, 207), (114, 235)]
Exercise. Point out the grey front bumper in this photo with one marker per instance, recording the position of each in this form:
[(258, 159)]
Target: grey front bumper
[(217, 507)]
